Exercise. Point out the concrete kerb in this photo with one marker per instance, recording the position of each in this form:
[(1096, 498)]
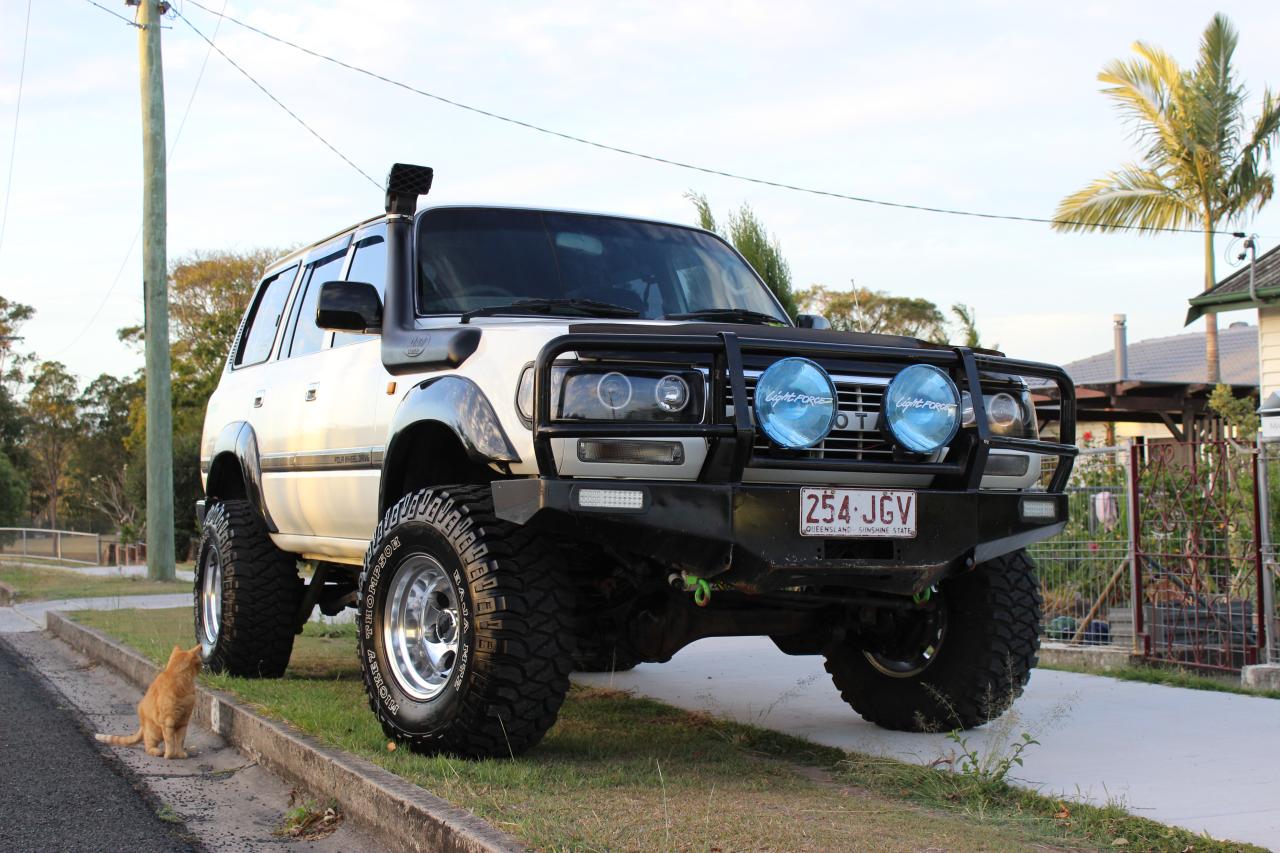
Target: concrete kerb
[(403, 815)]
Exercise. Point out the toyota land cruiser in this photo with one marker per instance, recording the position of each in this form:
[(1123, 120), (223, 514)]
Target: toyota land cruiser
[(522, 441)]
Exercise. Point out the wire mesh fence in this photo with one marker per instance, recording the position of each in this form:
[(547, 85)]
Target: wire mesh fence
[(1197, 543), (1084, 571), (61, 545)]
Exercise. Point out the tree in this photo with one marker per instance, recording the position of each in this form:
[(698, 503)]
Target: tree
[(761, 249), (100, 466), (1202, 165), (52, 414), (877, 312), (13, 494), (967, 321), (12, 316)]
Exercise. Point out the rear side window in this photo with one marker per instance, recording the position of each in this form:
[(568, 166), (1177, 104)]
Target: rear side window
[(369, 265), (307, 336), (264, 319)]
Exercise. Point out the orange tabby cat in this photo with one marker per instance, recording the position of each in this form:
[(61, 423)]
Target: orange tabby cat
[(166, 709)]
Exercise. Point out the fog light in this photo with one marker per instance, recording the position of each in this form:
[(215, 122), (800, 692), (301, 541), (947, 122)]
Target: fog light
[(611, 498), (626, 452), (1007, 465), (1039, 509)]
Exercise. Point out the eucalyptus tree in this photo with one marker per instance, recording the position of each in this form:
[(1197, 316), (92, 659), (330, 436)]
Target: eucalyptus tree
[(1203, 163)]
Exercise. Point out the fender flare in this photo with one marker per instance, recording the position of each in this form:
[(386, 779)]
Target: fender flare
[(458, 404), (237, 445)]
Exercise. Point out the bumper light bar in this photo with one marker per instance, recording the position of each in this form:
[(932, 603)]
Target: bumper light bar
[(1039, 509), (632, 499)]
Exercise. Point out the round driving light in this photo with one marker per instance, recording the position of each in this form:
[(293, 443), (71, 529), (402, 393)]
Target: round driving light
[(795, 403), (671, 393), (1003, 411), (614, 391), (922, 408)]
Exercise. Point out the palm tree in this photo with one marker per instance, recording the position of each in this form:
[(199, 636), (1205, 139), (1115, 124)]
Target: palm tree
[(1201, 165)]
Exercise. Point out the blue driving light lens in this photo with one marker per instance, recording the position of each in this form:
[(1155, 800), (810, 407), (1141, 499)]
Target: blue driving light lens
[(922, 408), (795, 403)]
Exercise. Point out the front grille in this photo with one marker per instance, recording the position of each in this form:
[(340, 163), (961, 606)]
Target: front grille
[(856, 395)]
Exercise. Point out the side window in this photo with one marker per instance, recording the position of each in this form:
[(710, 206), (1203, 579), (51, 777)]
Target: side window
[(264, 319), (307, 337), (370, 265)]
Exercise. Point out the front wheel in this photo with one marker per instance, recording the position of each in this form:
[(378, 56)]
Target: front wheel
[(958, 662), (465, 627)]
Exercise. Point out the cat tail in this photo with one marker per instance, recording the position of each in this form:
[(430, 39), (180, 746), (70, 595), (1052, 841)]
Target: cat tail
[(121, 740)]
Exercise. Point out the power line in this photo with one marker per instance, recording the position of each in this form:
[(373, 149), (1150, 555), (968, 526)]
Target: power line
[(115, 14), (17, 111), (173, 146), (275, 100), (667, 161)]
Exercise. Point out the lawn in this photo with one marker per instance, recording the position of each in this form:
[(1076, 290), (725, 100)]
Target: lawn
[(40, 583), (624, 773), (1172, 676)]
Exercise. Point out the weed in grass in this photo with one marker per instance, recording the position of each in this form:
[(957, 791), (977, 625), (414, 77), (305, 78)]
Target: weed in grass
[(306, 821), (167, 814)]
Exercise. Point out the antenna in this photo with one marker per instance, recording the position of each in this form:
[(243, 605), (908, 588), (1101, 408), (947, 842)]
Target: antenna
[(858, 307)]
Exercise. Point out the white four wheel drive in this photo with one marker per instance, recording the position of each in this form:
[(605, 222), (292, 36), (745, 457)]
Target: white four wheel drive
[(520, 442)]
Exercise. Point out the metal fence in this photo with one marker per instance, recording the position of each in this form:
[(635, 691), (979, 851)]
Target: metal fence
[(64, 545), (1197, 543), (1085, 572), (1269, 512)]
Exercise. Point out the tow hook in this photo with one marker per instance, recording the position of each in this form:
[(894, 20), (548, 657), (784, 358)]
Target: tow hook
[(692, 583)]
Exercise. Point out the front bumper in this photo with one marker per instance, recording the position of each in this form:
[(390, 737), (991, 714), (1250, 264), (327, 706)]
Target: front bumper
[(750, 534)]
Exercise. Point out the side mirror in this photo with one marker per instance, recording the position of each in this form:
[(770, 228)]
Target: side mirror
[(349, 306), (812, 321)]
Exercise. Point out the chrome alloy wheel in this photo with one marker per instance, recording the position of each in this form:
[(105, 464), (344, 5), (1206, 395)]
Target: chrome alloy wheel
[(922, 649), (210, 599), (422, 627)]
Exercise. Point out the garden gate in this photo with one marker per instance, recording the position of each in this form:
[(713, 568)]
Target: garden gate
[(1196, 543)]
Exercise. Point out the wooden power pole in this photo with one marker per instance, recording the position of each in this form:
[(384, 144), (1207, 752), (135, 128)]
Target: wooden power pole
[(155, 287)]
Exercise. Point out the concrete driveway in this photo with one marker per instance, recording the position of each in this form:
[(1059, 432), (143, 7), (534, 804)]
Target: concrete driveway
[(1203, 760)]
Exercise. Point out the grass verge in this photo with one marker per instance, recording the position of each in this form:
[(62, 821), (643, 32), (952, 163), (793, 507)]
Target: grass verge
[(624, 773), (1172, 677), (38, 583)]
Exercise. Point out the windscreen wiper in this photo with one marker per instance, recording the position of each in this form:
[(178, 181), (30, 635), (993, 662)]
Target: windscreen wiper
[(730, 315), (589, 307)]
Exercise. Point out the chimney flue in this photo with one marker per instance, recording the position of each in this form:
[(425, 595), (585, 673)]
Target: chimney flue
[(1121, 348)]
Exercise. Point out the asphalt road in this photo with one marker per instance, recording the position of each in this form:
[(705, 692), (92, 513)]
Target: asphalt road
[(57, 790)]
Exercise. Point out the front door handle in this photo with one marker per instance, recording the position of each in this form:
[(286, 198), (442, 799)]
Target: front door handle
[(311, 392), (257, 398)]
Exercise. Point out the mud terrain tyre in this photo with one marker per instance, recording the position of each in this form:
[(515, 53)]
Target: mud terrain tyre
[(247, 594), (982, 655), (464, 625)]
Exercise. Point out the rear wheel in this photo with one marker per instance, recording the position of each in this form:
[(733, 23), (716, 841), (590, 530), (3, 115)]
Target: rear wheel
[(465, 627), (958, 663), (247, 594)]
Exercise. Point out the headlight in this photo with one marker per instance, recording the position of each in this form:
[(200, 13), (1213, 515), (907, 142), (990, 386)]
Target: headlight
[(922, 408), (602, 394), (795, 403), (1009, 413)]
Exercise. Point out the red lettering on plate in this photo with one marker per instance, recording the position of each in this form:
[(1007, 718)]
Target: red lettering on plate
[(905, 508), (886, 509)]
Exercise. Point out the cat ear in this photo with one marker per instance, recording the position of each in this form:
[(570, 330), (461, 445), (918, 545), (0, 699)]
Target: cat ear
[(195, 650), (175, 654)]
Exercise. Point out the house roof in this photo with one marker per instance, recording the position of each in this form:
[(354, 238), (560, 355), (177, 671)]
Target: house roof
[(1232, 292), (1177, 360)]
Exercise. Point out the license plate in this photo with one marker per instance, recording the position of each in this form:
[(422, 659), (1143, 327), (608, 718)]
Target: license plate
[(866, 513)]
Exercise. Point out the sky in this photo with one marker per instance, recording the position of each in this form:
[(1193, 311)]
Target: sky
[(987, 106)]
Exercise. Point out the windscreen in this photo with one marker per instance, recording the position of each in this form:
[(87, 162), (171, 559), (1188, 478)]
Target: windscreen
[(471, 258)]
